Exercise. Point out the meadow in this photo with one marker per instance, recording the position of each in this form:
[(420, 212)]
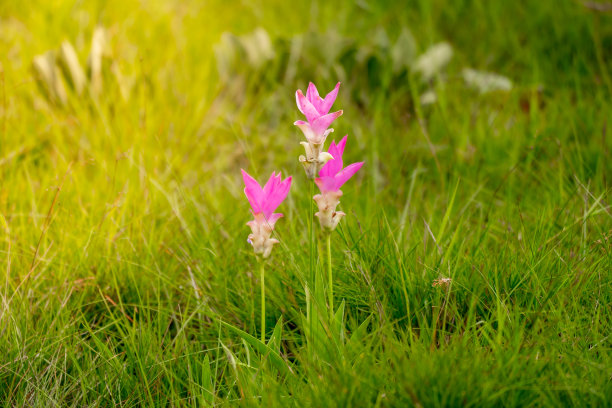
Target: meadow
[(472, 268)]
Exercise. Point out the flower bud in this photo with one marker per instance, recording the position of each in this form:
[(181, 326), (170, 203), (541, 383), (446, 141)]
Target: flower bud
[(327, 214), (260, 238), (314, 159), (324, 157)]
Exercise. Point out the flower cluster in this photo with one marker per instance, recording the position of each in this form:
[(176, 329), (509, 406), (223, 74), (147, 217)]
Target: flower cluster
[(316, 129), (331, 177), (264, 201), (326, 168), (329, 174), (327, 165)]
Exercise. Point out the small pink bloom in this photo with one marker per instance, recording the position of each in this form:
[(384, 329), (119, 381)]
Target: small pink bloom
[(313, 102), (332, 176), (264, 201), (316, 110)]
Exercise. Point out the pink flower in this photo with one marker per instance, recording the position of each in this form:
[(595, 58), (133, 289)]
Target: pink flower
[(316, 110), (332, 176), (264, 201)]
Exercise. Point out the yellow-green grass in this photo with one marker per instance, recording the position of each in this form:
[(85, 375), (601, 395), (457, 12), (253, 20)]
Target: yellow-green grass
[(123, 246)]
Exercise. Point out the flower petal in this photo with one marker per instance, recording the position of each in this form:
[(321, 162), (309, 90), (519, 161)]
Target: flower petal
[(253, 192), (326, 183), (306, 107), (334, 165), (344, 175), (341, 145), (276, 194), (313, 95), (270, 186), (297, 100), (320, 125), (329, 100), (271, 220), (306, 129)]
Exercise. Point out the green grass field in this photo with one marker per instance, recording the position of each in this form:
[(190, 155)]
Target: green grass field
[(126, 279)]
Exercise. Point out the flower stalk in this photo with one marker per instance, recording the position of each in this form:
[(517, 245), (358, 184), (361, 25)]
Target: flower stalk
[(263, 300), (316, 127), (326, 169), (264, 201), (332, 176), (330, 292), (311, 278)]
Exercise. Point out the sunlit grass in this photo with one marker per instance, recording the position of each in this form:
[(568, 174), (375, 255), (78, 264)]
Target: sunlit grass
[(123, 244)]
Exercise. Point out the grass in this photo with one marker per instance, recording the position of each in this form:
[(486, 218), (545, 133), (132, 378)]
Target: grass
[(127, 278)]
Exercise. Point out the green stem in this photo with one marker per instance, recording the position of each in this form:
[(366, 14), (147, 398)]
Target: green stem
[(263, 302), (330, 293), (312, 238), (311, 277)]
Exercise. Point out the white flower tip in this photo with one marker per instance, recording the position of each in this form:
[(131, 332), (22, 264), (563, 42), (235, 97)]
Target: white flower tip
[(324, 157)]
